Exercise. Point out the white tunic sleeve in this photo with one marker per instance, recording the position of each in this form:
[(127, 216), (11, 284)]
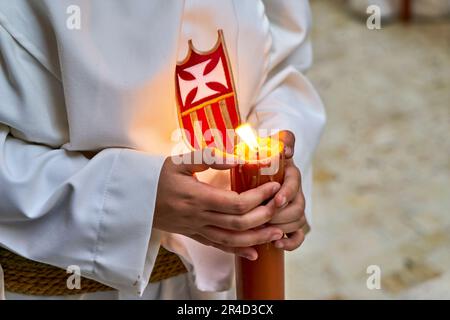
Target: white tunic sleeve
[(60, 207), (287, 100)]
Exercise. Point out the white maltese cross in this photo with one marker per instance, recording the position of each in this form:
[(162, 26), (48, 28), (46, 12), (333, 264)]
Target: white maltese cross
[(202, 81)]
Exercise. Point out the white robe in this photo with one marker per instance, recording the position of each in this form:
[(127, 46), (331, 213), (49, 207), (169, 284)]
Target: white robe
[(109, 87)]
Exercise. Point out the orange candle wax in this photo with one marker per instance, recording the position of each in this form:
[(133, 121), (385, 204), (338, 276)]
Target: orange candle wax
[(263, 278)]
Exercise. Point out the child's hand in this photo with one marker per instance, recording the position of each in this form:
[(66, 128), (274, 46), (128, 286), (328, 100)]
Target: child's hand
[(289, 201), (210, 215)]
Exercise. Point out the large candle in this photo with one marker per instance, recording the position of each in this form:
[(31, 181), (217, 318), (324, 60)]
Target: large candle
[(263, 278)]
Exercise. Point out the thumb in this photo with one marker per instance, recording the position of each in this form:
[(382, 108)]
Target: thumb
[(201, 160), (288, 138)]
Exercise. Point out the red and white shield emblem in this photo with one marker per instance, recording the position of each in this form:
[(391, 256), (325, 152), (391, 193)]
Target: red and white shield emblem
[(206, 99)]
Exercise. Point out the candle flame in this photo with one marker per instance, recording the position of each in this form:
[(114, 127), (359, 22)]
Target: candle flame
[(246, 133)]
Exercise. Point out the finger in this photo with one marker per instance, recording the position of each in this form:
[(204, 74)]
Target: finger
[(291, 226), (292, 242), (248, 253), (252, 219), (201, 160), (290, 186), (241, 238), (292, 212), (288, 139), (226, 201)]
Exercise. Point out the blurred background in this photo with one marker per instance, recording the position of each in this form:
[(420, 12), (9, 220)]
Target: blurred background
[(382, 191)]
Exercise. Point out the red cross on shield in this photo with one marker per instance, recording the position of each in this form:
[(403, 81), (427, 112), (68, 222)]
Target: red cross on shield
[(206, 99)]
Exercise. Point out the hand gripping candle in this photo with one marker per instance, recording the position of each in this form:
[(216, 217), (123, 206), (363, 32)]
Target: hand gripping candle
[(262, 161)]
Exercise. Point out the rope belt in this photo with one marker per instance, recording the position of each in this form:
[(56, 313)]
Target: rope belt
[(34, 278)]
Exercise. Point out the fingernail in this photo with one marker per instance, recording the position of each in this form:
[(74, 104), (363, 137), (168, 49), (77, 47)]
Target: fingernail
[(275, 188), (287, 150), (276, 236), (248, 256), (279, 245), (283, 201)]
